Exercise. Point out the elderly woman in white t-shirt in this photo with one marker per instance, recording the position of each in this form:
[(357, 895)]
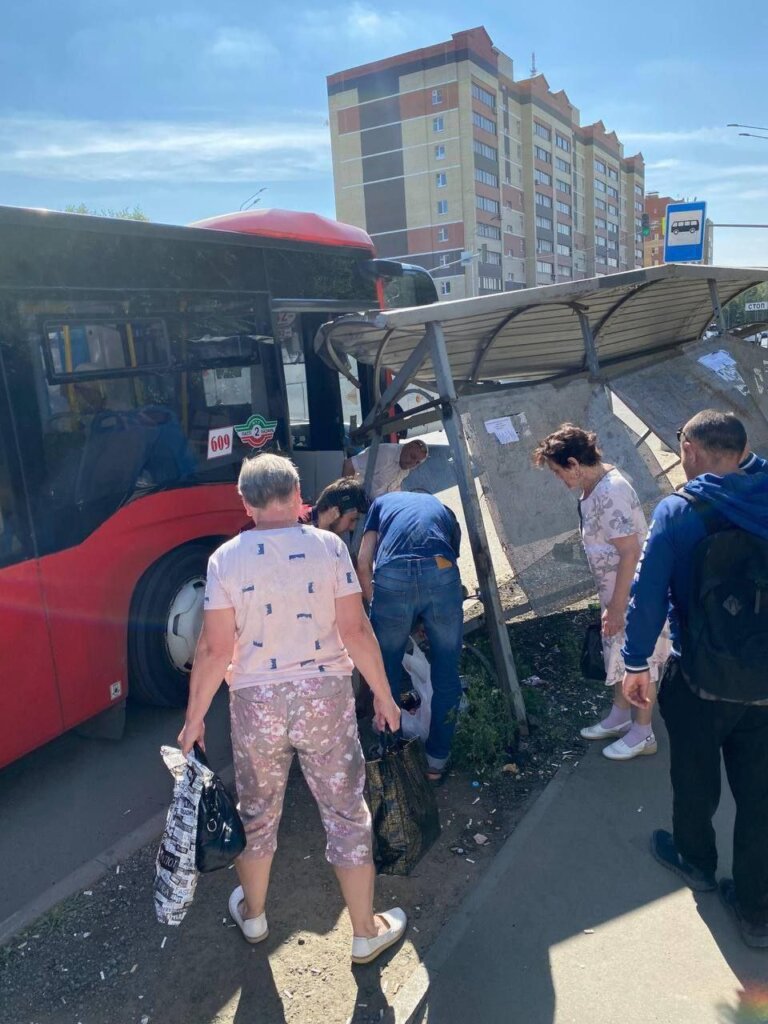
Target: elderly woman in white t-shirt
[(283, 605)]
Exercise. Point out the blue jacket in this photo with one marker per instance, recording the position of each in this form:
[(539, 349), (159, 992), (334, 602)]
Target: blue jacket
[(663, 578)]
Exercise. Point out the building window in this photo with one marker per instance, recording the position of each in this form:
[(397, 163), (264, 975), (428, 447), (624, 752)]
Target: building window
[(442, 206), (438, 124), (613, 210), (437, 97), (542, 154), (542, 131), (599, 166), (639, 255), (492, 258), (542, 200), (487, 151), (484, 96), (444, 260), (638, 191), (613, 229), (613, 174), (599, 204), (439, 152), (612, 192), (544, 222), (562, 165), (563, 186), (484, 122), (544, 245), (441, 179), (562, 143), (564, 229), (491, 284), (564, 208), (542, 177), (488, 205), (563, 250), (488, 230), (543, 268), (612, 261), (639, 207), (442, 234), (601, 222), (599, 185), (564, 271), (445, 287), (613, 245), (486, 178)]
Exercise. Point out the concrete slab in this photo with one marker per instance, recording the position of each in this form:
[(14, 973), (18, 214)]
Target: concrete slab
[(576, 922)]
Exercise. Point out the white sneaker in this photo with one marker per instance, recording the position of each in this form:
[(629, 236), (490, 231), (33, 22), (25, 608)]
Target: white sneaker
[(620, 751), (599, 732), (364, 950), (254, 929)]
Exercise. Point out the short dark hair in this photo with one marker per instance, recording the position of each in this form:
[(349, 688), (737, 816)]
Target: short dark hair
[(568, 442), (343, 494), (717, 431)]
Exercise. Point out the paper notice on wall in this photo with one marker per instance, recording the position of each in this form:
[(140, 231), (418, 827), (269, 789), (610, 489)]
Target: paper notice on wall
[(724, 365), (503, 429)]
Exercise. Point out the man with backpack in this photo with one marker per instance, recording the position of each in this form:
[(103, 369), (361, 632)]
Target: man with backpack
[(705, 561)]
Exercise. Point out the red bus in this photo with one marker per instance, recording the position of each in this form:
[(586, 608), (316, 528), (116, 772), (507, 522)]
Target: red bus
[(139, 364)]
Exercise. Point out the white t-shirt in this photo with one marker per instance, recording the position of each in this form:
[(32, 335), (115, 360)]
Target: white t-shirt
[(283, 585), (388, 474)]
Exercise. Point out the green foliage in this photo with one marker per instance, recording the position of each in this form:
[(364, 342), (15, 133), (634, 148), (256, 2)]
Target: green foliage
[(735, 313), (124, 214), (485, 730)]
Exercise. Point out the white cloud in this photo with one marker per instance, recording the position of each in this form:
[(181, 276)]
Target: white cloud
[(359, 25), (237, 46), (165, 151), (714, 135)]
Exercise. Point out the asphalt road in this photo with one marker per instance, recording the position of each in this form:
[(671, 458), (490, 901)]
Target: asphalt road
[(64, 804)]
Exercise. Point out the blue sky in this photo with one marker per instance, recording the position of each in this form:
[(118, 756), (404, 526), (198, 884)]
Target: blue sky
[(187, 108)]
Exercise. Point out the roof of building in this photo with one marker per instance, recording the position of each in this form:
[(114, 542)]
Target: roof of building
[(537, 333)]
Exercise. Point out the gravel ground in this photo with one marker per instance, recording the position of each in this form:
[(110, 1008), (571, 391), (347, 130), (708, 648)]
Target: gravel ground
[(101, 958)]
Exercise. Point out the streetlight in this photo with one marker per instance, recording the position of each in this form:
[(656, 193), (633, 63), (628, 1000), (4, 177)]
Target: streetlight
[(750, 135)]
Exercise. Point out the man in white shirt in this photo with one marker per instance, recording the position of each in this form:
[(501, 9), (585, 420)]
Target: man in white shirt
[(393, 464)]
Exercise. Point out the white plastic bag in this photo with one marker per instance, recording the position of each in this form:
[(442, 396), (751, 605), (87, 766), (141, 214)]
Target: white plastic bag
[(418, 668), (175, 872)]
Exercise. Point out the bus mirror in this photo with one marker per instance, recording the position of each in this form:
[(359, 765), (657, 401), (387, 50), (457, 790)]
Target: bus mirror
[(382, 268)]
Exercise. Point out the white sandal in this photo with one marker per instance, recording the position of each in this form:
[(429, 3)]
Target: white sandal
[(365, 950), (254, 929)]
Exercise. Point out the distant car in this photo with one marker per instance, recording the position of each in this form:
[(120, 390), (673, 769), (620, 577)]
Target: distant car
[(682, 226)]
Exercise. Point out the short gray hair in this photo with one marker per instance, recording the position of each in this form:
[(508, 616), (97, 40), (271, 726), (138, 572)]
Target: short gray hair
[(266, 478)]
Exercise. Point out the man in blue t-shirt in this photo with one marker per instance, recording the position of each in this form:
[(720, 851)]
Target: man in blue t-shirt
[(407, 569)]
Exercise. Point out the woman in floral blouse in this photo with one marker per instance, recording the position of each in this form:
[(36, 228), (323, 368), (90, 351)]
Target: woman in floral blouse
[(613, 529)]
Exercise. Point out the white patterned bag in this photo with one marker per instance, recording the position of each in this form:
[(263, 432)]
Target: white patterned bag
[(176, 874)]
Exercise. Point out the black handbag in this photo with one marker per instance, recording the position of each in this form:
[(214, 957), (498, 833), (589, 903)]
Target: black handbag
[(220, 832), (592, 664), (403, 806)]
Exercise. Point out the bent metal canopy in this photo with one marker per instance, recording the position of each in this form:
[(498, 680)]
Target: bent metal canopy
[(551, 331)]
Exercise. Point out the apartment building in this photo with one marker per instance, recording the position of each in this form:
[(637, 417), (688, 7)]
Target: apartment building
[(491, 184), (655, 209)]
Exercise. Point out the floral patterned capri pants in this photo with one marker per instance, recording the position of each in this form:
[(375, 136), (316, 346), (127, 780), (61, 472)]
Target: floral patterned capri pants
[(315, 718)]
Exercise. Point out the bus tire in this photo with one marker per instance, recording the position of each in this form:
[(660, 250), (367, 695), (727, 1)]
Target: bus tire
[(165, 620)]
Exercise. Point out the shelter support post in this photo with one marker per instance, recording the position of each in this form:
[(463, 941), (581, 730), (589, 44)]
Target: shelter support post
[(590, 348), (399, 383), (497, 630), (717, 309), (370, 468)]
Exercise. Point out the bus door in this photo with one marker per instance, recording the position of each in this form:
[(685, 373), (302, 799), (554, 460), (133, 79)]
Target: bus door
[(30, 710), (323, 406)]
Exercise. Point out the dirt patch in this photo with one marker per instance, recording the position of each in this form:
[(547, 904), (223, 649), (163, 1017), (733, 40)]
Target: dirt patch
[(101, 958)]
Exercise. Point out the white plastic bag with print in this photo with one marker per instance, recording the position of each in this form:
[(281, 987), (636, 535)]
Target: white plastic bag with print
[(175, 872), (418, 668)]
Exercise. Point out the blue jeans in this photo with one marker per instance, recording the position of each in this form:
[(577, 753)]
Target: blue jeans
[(403, 591)]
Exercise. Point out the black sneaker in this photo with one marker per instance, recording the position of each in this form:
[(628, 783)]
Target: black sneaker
[(755, 935), (664, 850)]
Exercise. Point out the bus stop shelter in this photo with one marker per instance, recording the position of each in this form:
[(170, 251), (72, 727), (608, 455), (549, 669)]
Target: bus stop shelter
[(506, 369)]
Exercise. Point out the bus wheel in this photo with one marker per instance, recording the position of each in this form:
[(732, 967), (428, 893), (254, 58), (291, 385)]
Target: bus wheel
[(166, 616)]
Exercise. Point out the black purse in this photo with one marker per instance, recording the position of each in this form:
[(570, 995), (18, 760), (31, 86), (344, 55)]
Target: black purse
[(220, 832), (591, 663)]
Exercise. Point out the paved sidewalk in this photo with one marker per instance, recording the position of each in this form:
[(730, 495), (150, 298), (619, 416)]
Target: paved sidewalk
[(576, 924)]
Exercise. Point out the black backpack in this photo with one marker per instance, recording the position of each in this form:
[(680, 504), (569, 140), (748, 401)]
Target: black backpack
[(725, 637)]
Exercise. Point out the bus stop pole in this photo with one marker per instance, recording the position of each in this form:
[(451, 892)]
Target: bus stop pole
[(489, 591)]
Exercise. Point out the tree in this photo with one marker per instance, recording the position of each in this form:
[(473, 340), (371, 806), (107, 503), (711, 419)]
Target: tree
[(736, 314), (125, 214)]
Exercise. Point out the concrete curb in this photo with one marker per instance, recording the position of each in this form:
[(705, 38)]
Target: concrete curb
[(409, 1000), (90, 872)]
